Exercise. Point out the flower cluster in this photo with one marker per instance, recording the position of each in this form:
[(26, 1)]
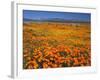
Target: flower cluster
[(61, 56)]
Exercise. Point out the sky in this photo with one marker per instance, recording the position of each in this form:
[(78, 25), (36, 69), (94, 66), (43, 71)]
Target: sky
[(31, 14)]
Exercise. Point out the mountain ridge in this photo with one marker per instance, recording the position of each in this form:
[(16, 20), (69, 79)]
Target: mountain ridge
[(55, 20)]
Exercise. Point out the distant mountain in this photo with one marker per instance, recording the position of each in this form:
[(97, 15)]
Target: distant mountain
[(55, 20)]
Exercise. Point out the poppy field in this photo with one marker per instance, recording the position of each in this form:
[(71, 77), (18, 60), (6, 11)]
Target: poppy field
[(56, 45)]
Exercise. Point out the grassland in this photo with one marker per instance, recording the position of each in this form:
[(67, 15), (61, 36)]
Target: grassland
[(54, 45)]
